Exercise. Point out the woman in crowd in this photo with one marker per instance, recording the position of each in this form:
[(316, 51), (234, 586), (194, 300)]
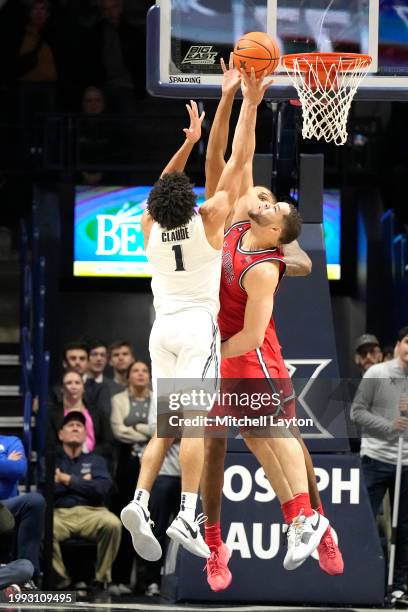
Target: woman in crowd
[(98, 432), (133, 424)]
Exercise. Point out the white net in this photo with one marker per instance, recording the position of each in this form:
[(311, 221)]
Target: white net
[(326, 86)]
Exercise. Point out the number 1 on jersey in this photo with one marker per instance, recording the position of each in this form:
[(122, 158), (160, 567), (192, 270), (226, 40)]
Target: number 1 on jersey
[(178, 253)]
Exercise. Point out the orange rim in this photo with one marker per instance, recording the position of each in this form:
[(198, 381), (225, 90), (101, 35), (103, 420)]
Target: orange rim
[(349, 61)]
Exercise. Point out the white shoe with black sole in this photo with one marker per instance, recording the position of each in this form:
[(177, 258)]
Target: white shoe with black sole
[(188, 535), (137, 521), (304, 535)]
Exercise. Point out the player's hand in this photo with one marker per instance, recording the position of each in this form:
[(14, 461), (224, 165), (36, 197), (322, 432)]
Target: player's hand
[(193, 132), (15, 456), (231, 79), (253, 89), (87, 476), (400, 424)]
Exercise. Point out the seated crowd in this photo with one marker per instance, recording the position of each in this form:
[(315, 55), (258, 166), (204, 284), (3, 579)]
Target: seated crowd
[(99, 426)]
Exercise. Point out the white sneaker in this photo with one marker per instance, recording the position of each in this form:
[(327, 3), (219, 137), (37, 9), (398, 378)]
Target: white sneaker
[(136, 520), (152, 590), (304, 535), (123, 589), (113, 589), (188, 535)]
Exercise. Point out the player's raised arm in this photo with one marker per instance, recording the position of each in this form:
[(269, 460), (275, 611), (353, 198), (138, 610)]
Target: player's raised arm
[(193, 135), (179, 159), (253, 90), (218, 139), (220, 205), (260, 284)]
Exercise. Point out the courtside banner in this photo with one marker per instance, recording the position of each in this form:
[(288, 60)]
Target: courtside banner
[(252, 527)]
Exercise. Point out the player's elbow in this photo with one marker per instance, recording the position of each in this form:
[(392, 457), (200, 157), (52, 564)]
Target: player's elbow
[(307, 266), (214, 162)]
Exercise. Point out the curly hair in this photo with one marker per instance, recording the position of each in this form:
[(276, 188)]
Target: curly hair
[(292, 226), (171, 202)]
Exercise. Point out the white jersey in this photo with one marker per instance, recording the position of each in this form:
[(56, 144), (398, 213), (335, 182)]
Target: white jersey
[(186, 269)]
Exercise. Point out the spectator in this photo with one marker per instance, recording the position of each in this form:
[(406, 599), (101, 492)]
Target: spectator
[(98, 359), (28, 509), (36, 63), (133, 423), (17, 572), (116, 51), (96, 139), (376, 408), (121, 356), (82, 483), (76, 357), (36, 67), (93, 101), (98, 433), (389, 352), (97, 362), (367, 352)]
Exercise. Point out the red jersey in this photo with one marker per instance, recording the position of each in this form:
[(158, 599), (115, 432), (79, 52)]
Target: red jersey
[(236, 262), (263, 368)]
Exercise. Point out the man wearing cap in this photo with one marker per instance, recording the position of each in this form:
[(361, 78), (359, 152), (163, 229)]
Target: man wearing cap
[(82, 482), (380, 408), (367, 352)]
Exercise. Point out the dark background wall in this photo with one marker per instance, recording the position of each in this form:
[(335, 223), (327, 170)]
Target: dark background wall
[(108, 317)]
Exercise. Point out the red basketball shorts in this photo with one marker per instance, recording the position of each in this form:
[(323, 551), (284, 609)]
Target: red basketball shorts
[(248, 380)]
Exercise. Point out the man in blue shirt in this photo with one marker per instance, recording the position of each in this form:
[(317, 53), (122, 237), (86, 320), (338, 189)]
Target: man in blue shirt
[(82, 482), (28, 509)]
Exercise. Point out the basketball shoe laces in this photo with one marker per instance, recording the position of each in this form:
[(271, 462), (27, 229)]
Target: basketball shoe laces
[(295, 529), (212, 566), (329, 544), (200, 519)]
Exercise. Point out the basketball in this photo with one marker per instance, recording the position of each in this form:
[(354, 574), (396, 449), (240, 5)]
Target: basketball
[(256, 50)]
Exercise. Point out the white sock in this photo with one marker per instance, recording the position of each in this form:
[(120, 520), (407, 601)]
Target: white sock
[(188, 506), (142, 497)]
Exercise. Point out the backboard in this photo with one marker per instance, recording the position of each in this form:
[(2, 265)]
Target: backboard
[(187, 38)]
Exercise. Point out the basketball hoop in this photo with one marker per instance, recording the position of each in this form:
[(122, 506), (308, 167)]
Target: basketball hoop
[(326, 84)]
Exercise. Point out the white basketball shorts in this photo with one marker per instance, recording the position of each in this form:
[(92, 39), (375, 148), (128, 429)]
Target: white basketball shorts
[(185, 345)]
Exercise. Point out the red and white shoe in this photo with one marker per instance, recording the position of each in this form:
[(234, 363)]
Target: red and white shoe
[(304, 535), (218, 575), (328, 553)]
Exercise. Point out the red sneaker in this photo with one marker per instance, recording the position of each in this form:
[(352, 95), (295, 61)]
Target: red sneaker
[(218, 575), (330, 557)]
